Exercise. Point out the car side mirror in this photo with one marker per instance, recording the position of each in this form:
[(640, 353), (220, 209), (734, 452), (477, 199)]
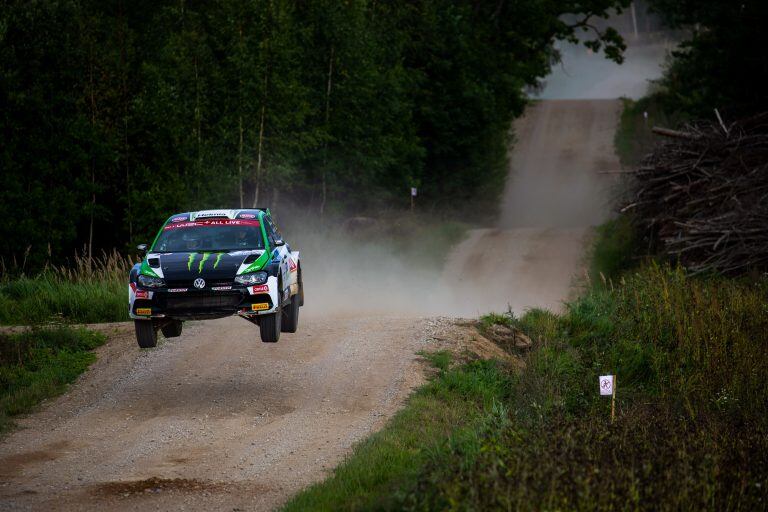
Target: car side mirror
[(142, 248), (279, 242)]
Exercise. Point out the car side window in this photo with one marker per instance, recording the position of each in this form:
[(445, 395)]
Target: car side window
[(277, 234), (270, 230)]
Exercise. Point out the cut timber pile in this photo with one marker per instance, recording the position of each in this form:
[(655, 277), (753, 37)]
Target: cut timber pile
[(703, 193)]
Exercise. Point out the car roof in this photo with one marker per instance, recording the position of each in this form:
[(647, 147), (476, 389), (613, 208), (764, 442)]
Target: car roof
[(226, 214)]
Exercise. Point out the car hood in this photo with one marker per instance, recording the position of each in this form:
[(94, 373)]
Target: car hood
[(216, 266)]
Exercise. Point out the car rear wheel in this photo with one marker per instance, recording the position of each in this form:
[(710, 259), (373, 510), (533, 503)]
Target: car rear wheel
[(146, 333), (172, 329), (291, 315)]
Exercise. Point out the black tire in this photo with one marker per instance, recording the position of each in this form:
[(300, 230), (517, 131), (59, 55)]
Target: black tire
[(172, 329), (269, 327), (300, 295), (291, 315), (146, 333)]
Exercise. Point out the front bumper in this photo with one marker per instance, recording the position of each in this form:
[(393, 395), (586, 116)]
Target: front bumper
[(189, 303)]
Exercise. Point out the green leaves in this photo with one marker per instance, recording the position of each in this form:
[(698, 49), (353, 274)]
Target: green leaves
[(119, 114)]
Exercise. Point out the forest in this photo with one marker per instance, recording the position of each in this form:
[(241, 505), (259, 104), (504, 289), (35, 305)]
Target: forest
[(116, 114)]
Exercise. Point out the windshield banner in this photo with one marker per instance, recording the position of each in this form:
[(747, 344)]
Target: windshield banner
[(213, 222)]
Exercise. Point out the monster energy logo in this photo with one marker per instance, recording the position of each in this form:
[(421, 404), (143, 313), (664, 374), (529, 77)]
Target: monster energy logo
[(202, 261)]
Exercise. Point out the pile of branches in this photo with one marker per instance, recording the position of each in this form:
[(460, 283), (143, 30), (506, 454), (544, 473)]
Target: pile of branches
[(703, 194)]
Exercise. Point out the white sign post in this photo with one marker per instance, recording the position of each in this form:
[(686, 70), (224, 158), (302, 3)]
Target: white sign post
[(413, 194), (608, 388)]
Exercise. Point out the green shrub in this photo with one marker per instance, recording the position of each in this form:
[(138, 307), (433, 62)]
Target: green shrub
[(613, 251), (38, 364)]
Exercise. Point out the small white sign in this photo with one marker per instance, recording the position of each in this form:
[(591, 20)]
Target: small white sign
[(413, 191), (606, 384)]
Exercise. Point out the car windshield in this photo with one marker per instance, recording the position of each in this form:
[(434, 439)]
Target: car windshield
[(210, 235)]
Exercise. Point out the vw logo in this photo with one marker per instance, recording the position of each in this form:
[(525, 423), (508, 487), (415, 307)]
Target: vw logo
[(199, 283)]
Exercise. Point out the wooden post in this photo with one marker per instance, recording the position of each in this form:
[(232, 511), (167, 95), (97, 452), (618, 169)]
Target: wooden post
[(613, 400)]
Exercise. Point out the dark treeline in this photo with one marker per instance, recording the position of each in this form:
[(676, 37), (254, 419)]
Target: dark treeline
[(722, 64), (115, 114)]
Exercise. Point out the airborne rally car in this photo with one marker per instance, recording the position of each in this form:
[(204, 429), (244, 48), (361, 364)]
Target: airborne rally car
[(211, 264)]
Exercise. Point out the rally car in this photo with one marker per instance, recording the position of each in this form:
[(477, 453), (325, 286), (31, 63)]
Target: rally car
[(211, 264)]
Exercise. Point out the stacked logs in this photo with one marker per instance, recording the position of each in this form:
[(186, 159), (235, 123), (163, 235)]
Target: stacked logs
[(703, 193)]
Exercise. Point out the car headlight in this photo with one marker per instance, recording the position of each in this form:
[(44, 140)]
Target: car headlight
[(252, 278), (151, 282)]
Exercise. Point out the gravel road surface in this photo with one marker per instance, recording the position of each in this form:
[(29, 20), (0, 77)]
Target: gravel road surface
[(213, 420)]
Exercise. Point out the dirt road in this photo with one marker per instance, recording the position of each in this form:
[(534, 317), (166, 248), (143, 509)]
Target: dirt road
[(554, 195), (216, 420)]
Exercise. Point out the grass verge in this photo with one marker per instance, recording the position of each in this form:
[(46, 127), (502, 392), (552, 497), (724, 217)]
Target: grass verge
[(691, 431), (453, 410), (88, 292), (38, 364), (634, 138)]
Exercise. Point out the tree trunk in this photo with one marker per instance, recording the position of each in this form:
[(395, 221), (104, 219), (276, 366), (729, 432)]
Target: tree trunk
[(124, 90), (258, 158), (240, 162), (260, 153), (198, 119), (92, 95), (328, 89)]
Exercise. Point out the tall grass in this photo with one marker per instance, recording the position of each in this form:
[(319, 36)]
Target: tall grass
[(89, 291), (692, 414)]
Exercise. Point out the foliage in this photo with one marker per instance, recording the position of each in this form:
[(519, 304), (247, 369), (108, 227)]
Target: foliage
[(690, 431), (38, 364), (722, 64), (117, 114), (634, 138), (614, 248)]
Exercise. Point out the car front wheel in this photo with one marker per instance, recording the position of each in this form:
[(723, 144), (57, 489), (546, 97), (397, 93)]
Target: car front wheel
[(146, 333), (269, 327)]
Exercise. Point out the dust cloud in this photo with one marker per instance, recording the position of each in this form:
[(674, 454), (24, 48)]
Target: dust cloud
[(346, 274), (556, 192)]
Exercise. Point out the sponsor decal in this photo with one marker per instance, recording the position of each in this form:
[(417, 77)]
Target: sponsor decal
[(292, 265), (205, 257), (144, 311), (260, 306), (142, 294), (199, 283), (177, 290), (180, 218), (133, 286), (220, 288), (262, 288), (247, 216), (213, 222), (213, 213)]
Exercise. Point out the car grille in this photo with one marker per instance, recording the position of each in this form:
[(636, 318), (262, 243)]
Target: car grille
[(189, 283), (202, 301)]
